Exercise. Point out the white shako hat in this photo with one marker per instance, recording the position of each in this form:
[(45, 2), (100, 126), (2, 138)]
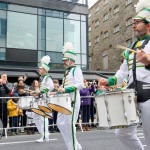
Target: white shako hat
[(143, 10), (45, 63), (68, 52)]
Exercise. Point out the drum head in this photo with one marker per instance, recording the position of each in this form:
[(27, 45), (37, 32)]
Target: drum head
[(37, 111), (41, 113), (45, 109), (59, 109)]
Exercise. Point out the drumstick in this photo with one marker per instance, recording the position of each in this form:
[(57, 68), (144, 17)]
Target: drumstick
[(126, 48)]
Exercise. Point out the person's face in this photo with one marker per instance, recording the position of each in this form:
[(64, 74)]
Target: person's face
[(66, 63), (36, 83), (42, 71), (56, 85), (15, 100), (21, 83), (4, 77), (139, 28)]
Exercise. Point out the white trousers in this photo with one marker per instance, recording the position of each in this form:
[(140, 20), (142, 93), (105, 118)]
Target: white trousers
[(39, 121), (64, 123), (128, 136)]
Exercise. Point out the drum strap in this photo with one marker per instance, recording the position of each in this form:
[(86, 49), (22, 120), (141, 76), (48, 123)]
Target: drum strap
[(137, 84)]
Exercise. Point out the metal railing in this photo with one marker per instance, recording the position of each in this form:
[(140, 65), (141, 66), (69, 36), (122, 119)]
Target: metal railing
[(87, 115)]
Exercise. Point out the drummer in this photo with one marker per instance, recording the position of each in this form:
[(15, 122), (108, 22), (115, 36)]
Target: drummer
[(138, 75), (72, 83), (46, 86)]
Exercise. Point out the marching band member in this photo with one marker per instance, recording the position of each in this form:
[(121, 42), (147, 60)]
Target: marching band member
[(46, 86), (72, 83), (139, 74)]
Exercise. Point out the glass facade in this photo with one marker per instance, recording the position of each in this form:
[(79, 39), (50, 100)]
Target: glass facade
[(44, 31)]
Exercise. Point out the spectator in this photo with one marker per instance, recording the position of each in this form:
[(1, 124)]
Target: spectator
[(13, 112), (22, 90), (85, 105), (5, 88)]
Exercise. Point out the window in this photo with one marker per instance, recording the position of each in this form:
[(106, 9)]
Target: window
[(96, 23), (89, 28), (105, 60), (41, 32), (129, 22), (3, 25), (96, 9), (89, 15), (116, 28), (71, 33), (106, 34), (129, 42), (89, 43), (83, 38), (97, 39), (105, 2), (22, 31), (105, 17), (2, 53), (116, 9), (128, 2), (54, 34)]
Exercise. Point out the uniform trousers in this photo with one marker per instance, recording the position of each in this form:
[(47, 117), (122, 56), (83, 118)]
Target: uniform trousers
[(64, 123), (39, 121), (128, 136)]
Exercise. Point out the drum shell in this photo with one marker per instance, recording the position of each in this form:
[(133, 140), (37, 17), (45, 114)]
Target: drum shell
[(117, 109), (25, 102), (60, 103)]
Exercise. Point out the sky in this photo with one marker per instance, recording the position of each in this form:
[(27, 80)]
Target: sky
[(91, 2)]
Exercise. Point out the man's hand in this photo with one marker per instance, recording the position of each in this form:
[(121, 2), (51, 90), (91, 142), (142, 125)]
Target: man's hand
[(103, 82), (61, 90), (53, 93), (142, 57)]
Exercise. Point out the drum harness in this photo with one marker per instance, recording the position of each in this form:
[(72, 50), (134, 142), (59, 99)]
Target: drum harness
[(65, 76), (142, 95)]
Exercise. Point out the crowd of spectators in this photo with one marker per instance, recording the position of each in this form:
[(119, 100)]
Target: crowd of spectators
[(18, 119)]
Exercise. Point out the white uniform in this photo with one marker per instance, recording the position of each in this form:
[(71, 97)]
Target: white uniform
[(66, 123), (45, 88), (128, 135)]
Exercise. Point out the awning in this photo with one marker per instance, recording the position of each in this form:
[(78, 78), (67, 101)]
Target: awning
[(20, 73)]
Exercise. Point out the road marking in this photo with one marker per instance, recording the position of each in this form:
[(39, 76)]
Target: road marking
[(20, 142)]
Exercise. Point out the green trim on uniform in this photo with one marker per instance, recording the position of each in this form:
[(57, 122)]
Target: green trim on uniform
[(112, 81), (70, 89), (44, 90), (147, 9), (72, 120)]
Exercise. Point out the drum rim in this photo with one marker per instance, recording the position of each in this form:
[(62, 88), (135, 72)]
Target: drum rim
[(49, 109), (44, 114), (60, 107)]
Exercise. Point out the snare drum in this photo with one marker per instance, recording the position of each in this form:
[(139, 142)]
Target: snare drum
[(35, 109), (42, 104), (60, 103), (117, 109), (25, 102)]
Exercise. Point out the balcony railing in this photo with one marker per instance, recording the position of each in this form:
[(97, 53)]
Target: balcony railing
[(84, 2)]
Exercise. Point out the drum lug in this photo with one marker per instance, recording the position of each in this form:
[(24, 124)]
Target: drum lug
[(130, 99), (125, 115)]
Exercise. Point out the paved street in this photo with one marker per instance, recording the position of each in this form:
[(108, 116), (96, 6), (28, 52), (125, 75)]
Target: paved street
[(95, 139)]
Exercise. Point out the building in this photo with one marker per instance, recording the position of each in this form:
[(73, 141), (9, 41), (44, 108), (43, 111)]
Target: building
[(32, 29), (110, 23)]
